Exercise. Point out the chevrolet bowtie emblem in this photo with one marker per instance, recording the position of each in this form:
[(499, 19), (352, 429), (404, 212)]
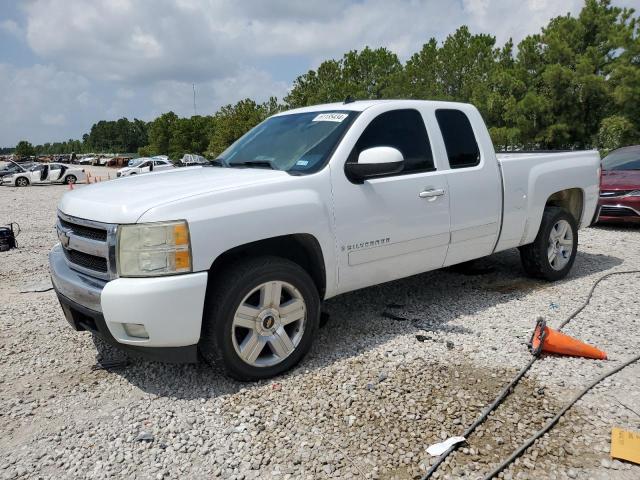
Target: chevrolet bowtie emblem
[(63, 236)]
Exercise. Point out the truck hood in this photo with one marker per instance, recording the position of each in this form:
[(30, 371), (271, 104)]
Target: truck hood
[(620, 180), (125, 200)]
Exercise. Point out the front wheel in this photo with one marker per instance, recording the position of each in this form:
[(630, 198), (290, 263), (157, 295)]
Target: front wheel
[(260, 318), (70, 179), (552, 253), (22, 182)]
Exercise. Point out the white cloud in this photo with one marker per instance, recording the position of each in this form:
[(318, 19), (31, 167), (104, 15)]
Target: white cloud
[(56, 119), (36, 101), (111, 58), (12, 28)]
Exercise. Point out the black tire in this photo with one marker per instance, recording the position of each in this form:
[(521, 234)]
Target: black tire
[(70, 179), (226, 292), (534, 256), (22, 182)]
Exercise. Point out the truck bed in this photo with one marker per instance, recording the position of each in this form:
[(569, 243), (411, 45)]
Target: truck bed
[(530, 178)]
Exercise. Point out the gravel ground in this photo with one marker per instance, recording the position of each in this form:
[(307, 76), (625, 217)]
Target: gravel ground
[(371, 396)]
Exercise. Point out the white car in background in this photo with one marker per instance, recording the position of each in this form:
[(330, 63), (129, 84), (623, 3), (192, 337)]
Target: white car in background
[(45, 173), (145, 165)]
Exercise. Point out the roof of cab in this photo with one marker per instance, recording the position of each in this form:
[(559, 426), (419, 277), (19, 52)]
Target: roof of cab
[(361, 105)]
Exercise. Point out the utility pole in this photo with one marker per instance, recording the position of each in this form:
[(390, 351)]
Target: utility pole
[(194, 100)]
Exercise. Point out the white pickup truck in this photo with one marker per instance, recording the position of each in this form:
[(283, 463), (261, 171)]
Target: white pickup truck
[(234, 260)]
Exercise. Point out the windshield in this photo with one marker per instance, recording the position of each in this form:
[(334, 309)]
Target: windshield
[(300, 142), (626, 159)]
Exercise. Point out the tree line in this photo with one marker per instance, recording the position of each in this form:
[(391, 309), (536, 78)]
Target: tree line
[(575, 84)]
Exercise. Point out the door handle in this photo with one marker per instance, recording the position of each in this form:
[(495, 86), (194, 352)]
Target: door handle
[(431, 194)]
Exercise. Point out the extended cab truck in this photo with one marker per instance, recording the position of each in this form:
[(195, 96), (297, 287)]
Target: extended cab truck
[(234, 260)]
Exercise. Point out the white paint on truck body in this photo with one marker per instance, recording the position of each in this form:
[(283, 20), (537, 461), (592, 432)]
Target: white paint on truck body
[(371, 232)]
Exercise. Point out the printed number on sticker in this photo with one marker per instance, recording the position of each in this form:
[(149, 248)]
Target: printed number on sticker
[(330, 117)]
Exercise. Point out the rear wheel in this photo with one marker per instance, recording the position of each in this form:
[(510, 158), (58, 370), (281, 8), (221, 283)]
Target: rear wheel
[(260, 319), (552, 253), (70, 179)]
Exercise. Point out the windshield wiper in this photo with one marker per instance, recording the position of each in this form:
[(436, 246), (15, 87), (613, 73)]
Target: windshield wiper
[(254, 163), (218, 162)]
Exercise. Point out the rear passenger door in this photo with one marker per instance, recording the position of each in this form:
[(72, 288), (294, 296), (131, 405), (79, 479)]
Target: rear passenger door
[(475, 184), (55, 171), (394, 226)]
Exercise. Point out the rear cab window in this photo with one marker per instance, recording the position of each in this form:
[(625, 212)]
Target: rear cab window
[(459, 139)]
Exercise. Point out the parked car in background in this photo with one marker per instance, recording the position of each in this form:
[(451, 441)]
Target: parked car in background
[(86, 160), (9, 167), (620, 186), (144, 165), (44, 173), (189, 159)]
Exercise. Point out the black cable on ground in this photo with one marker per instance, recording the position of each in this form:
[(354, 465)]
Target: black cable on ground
[(520, 450), (505, 392), (588, 299)]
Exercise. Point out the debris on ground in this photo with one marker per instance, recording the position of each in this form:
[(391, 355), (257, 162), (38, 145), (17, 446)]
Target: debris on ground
[(144, 436), (625, 445), (438, 449)]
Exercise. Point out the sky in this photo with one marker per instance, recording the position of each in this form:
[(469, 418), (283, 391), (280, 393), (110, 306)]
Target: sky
[(65, 64)]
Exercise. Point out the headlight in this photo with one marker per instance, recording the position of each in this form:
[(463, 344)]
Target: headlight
[(154, 249)]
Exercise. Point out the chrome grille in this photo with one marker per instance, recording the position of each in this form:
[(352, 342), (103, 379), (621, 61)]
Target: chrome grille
[(617, 211), (87, 232), (85, 260), (614, 193), (89, 246)]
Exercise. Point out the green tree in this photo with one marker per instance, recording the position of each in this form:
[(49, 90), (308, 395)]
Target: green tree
[(233, 121), (160, 131), (24, 149), (360, 75), (615, 132)]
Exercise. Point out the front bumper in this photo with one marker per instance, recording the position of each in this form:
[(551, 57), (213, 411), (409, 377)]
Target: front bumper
[(623, 209), (170, 309)]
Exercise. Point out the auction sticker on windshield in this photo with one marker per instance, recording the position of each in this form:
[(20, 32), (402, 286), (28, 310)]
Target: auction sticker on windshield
[(330, 117)]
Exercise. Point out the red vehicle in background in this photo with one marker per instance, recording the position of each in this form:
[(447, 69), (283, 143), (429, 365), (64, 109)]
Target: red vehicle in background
[(620, 186)]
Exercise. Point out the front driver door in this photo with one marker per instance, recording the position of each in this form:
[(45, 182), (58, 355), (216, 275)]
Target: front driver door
[(398, 225), (145, 167), (37, 173)]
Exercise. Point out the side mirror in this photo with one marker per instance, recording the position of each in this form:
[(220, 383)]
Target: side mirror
[(375, 162)]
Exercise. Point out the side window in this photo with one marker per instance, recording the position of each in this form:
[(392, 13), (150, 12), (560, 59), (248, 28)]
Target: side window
[(459, 140), (401, 129)]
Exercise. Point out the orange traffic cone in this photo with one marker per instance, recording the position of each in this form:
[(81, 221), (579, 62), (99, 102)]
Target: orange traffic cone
[(546, 339), (71, 186)]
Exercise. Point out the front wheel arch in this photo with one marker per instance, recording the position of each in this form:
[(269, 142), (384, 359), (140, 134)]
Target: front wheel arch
[(303, 249)]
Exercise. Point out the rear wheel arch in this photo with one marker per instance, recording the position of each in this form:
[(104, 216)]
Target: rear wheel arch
[(570, 199)]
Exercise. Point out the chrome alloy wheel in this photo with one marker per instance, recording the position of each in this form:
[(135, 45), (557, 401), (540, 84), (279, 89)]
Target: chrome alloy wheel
[(560, 245), (269, 323)]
